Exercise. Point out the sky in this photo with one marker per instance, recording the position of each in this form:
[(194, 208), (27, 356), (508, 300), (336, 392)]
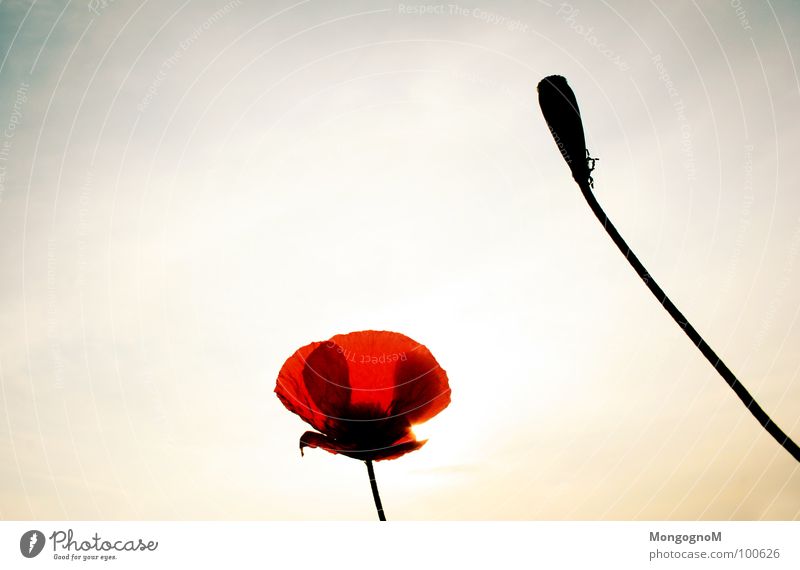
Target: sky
[(191, 191)]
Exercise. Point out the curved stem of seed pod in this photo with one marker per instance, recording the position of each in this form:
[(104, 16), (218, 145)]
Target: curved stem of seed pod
[(375, 494), (757, 411)]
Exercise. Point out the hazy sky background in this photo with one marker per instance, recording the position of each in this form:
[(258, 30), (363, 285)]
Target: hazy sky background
[(191, 191)]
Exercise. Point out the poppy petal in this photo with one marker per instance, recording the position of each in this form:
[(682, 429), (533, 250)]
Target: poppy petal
[(393, 451), (326, 378), (314, 439), (314, 384), (421, 389), (372, 357), (362, 392)]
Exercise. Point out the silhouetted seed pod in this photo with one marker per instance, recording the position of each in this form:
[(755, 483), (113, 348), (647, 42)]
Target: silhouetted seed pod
[(560, 110)]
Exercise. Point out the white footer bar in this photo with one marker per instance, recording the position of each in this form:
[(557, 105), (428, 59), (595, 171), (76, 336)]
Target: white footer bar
[(406, 545)]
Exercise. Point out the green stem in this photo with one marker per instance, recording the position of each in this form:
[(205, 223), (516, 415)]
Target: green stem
[(375, 494), (763, 418)]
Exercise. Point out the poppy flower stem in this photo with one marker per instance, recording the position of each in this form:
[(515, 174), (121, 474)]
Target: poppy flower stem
[(763, 418), (375, 495)]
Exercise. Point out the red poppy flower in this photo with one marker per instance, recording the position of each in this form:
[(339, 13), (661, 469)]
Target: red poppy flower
[(362, 392)]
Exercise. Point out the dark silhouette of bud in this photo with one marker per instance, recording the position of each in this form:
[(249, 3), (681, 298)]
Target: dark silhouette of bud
[(560, 109)]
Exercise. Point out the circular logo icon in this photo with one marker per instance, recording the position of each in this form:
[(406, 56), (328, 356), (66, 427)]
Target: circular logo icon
[(31, 543)]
